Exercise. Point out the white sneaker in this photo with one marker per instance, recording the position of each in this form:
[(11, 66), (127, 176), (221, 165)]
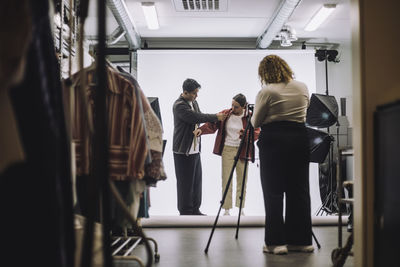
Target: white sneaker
[(277, 250), (242, 213), (226, 213), (308, 249)]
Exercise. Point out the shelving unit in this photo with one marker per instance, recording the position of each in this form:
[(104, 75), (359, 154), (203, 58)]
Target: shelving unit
[(65, 23), (340, 254)]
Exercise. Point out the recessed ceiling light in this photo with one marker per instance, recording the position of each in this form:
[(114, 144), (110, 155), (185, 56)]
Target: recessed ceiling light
[(320, 17), (150, 14)]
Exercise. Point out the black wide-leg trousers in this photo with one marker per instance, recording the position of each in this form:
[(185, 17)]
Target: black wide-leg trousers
[(188, 182), (284, 168)]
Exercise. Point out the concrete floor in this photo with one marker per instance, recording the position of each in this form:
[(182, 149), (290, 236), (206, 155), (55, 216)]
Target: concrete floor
[(184, 247)]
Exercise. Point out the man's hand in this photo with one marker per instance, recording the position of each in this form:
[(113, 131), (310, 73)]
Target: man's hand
[(221, 116), (197, 132)]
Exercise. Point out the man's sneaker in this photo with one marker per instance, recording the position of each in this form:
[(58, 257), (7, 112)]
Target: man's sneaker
[(277, 250), (226, 213), (308, 249)]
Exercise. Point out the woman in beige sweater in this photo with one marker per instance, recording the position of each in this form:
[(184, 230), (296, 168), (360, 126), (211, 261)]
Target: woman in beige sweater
[(280, 111)]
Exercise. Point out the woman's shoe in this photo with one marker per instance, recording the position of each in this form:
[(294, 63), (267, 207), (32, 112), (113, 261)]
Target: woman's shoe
[(277, 250), (226, 213)]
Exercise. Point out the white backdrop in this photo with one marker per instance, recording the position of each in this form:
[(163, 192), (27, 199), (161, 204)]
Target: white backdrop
[(221, 74)]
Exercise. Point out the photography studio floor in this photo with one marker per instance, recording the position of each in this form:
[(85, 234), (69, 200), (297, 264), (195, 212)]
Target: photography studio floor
[(184, 245)]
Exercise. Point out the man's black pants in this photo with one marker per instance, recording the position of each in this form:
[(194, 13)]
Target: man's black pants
[(188, 182)]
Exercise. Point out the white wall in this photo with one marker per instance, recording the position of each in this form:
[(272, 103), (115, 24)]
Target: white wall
[(222, 74)]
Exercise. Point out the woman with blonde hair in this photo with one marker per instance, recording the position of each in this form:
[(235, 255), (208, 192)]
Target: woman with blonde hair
[(280, 111)]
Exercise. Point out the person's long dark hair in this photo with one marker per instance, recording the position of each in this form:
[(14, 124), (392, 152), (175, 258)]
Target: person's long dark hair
[(241, 99)]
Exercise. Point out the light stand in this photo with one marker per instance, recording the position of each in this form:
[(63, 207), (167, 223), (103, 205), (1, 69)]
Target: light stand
[(320, 144), (328, 202), (330, 159), (250, 130), (330, 169), (322, 113)]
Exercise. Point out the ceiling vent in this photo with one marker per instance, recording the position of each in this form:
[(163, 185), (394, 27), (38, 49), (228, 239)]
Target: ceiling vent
[(201, 5)]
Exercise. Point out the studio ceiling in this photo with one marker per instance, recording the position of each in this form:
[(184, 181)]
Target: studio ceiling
[(245, 19)]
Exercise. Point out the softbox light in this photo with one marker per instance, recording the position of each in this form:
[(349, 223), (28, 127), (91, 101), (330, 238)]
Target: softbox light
[(322, 111), (319, 143)]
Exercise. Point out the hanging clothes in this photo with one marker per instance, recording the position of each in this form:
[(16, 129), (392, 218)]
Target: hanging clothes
[(144, 204), (127, 149), (36, 193), (135, 140), (131, 192), (126, 130), (154, 171)]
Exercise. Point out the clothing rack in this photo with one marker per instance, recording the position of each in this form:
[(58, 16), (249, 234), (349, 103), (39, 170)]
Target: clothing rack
[(91, 82), (122, 247), (100, 184)]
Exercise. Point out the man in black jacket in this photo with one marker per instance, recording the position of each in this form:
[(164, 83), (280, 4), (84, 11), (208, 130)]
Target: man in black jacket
[(187, 147)]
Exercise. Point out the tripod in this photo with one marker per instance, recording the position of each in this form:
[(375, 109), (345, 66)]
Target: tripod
[(249, 132)]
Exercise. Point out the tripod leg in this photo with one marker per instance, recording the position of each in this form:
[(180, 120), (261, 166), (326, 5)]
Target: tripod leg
[(316, 240), (229, 182), (213, 229), (241, 198), (250, 139), (222, 202)]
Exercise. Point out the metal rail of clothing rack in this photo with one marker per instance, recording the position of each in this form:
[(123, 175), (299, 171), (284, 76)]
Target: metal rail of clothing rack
[(123, 246), (340, 254)]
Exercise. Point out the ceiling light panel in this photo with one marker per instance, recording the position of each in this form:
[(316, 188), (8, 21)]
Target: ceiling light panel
[(150, 14), (320, 17), (200, 5)]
